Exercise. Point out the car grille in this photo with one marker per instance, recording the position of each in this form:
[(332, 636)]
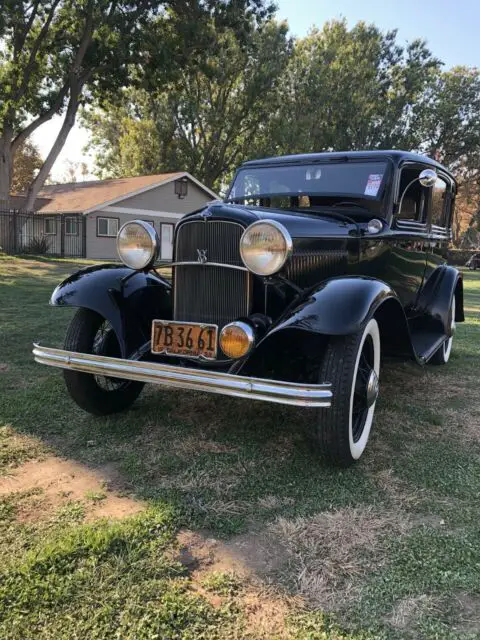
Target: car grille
[(307, 268), (205, 293)]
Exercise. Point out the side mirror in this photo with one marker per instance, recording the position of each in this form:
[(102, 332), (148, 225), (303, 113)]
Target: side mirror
[(427, 177)]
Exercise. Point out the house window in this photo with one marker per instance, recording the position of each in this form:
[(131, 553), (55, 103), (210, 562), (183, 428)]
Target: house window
[(71, 227), (181, 187), (50, 227), (166, 244), (107, 227)]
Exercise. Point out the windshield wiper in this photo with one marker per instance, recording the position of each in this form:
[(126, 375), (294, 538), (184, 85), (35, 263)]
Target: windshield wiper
[(327, 214), (349, 203)]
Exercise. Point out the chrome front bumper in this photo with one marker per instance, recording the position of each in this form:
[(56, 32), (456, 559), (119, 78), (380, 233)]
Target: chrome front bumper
[(307, 395)]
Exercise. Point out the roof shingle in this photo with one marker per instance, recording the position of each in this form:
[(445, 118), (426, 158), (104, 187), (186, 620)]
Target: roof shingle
[(77, 197)]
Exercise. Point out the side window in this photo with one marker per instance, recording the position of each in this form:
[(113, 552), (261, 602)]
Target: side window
[(439, 203), (415, 197)]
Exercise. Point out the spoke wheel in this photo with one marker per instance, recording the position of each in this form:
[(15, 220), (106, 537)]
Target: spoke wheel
[(352, 365), (100, 395), (105, 343)]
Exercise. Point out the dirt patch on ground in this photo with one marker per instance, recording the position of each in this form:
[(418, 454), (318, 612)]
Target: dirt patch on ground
[(55, 482), (265, 610), (320, 559)]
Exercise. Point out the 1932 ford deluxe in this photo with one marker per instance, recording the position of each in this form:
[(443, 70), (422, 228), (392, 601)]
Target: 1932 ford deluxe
[(287, 291)]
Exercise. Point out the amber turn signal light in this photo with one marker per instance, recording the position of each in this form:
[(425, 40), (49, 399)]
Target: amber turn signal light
[(236, 339)]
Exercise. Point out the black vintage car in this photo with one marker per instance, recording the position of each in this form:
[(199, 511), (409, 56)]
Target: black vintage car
[(288, 291)]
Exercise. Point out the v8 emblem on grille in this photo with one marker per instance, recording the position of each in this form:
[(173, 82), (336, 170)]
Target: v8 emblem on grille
[(202, 255)]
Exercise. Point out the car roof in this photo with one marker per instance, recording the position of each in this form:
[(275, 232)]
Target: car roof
[(396, 156)]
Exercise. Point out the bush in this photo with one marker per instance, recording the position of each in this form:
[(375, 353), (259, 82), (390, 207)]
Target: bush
[(37, 246)]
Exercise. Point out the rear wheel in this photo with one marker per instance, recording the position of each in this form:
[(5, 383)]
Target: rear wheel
[(89, 332), (442, 355), (352, 364)]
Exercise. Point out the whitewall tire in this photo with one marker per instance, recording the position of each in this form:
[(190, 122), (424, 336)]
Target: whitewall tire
[(352, 364), (442, 355)]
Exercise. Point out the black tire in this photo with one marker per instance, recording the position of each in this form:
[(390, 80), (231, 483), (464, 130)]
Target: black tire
[(98, 395), (344, 428)]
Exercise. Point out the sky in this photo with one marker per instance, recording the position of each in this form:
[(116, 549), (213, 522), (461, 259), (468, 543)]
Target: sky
[(451, 30)]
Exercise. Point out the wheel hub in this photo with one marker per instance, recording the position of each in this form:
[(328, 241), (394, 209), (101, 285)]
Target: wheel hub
[(372, 388)]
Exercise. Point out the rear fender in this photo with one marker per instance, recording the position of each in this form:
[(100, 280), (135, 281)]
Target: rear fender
[(436, 297), (128, 299), (340, 306)]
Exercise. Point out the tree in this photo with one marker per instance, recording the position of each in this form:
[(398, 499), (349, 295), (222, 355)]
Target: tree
[(58, 54), (26, 164), (209, 118), (51, 50), (350, 89)]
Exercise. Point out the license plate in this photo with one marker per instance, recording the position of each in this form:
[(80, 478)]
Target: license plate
[(184, 339)]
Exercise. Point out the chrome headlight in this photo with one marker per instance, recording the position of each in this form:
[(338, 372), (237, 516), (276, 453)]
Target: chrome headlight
[(137, 244), (265, 247)]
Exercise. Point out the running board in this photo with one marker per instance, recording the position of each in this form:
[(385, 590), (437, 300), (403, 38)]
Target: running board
[(291, 393)]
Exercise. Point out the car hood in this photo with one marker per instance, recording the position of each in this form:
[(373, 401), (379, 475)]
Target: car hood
[(299, 224)]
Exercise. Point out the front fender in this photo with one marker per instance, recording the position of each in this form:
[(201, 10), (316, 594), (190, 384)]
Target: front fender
[(128, 299), (340, 306)]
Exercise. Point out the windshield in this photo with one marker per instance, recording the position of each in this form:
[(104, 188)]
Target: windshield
[(363, 180)]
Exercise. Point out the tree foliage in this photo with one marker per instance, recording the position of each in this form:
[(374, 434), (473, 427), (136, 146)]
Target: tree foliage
[(207, 121), (57, 54), (351, 89), (26, 164)]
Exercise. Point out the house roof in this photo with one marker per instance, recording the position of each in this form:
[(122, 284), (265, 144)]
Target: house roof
[(82, 197)]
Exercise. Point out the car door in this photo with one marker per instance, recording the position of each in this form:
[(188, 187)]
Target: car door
[(407, 259)]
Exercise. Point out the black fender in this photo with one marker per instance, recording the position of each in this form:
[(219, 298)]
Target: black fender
[(436, 296), (128, 299), (339, 306)]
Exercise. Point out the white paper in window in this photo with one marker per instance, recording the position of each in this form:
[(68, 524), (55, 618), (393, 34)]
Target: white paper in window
[(373, 184)]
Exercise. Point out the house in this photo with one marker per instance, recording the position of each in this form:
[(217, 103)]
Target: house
[(83, 218)]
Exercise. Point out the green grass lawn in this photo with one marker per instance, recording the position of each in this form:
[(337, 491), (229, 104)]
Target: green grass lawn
[(278, 545)]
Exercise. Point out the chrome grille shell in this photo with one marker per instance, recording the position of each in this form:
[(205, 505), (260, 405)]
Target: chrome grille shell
[(216, 291)]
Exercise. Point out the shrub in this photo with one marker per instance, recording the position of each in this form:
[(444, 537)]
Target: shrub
[(37, 246)]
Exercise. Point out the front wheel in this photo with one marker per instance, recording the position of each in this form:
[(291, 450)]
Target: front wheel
[(89, 332), (352, 364)]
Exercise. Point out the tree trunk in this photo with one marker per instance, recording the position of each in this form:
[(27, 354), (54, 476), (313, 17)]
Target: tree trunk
[(58, 145), (6, 162)]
